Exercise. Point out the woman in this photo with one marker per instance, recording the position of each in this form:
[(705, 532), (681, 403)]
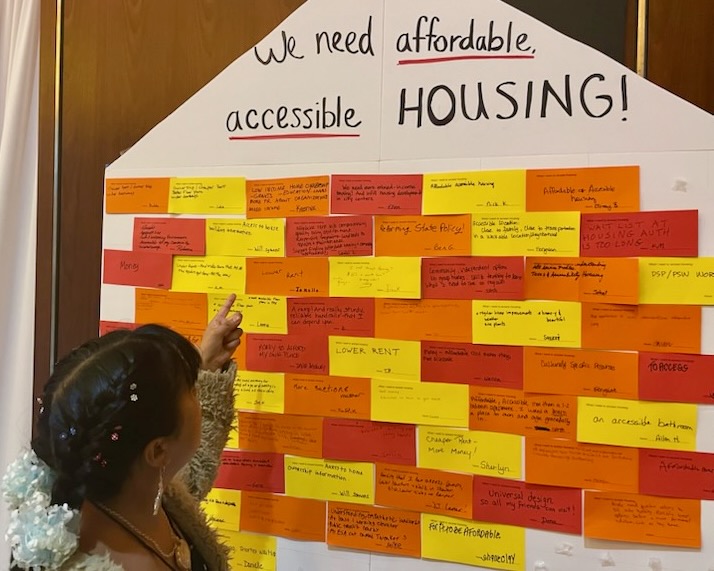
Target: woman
[(132, 434)]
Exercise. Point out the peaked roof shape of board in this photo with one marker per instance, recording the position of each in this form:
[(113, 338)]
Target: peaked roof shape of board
[(344, 81)]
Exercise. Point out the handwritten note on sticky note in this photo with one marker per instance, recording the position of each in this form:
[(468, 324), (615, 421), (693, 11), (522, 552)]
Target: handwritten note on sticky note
[(224, 274), (261, 313), (580, 372), (383, 358), (528, 505), (422, 235), (236, 237), (250, 551), (172, 309), (334, 316), (661, 233), (376, 194), (612, 280), (256, 471), (329, 236), (424, 490), (287, 353), (321, 395), (484, 365), (137, 195), (677, 474), (526, 234), (259, 391), (642, 519), (677, 280), (659, 328), (170, 235), (668, 426), (472, 278), (368, 528), (292, 277), (427, 319), (473, 542), (319, 479), (223, 508), (544, 323), (471, 451), (578, 465), (365, 441), (207, 195), (137, 268), (439, 404), (676, 378), (283, 433), (375, 277), (475, 191), (279, 198), (603, 189), (295, 518)]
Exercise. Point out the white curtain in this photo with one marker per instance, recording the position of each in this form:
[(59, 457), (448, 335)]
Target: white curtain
[(19, 69)]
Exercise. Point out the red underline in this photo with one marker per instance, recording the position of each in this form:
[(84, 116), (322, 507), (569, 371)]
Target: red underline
[(294, 136), (460, 58)]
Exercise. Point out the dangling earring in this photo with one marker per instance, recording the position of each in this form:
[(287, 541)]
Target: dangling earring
[(159, 492)]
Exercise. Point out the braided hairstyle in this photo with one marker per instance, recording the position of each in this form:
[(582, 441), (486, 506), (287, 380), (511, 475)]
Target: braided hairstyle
[(105, 402)]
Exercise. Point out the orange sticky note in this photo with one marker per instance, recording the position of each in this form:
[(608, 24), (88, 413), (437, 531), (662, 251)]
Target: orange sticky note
[(587, 189), (321, 395), (423, 319), (295, 518), (595, 280), (580, 372), (514, 412), (137, 195), (657, 328), (577, 465), (172, 309), (292, 277), (424, 490), (642, 519), (282, 197), (422, 235), (370, 528), (283, 433)]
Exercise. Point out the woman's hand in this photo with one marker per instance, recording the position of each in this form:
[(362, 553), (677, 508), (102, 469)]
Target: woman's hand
[(221, 338)]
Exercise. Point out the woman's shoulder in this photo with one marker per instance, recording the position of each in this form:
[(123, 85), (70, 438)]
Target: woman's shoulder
[(85, 562)]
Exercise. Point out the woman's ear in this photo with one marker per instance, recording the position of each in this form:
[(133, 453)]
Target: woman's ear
[(156, 453)]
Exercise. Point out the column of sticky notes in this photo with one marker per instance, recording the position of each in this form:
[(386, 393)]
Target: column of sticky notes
[(433, 363)]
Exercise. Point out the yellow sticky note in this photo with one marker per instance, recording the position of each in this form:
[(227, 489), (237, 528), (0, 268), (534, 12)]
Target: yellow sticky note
[(533, 323), (526, 234), (260, 391), (368, 357), (375, 277), (223, 508), (207, 195), (250, 550), (476, 191), (440, 404), (261, 313), (688, 281), (473, 542), (667, 426), (225, 274), (320, 479), (472, 451), (236, 237)]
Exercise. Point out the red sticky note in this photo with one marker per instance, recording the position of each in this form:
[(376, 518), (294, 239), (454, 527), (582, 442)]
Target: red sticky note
[(143, 269), (482, 365), (376, 194), (181, 236), (329, 236), (366, 441), (254, 471), (662, 233), (677, 474), (511, 502), (472, 278), (347, 316), (287, 353), (674, 377), (108, 326)]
